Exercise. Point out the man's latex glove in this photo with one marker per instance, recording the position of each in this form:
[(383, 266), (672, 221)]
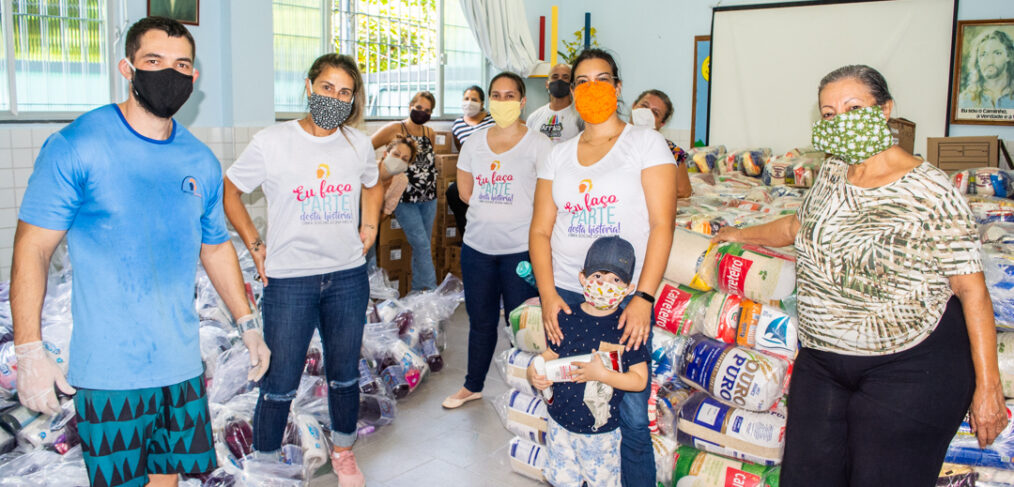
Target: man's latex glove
[(253, 338), (37, 376)]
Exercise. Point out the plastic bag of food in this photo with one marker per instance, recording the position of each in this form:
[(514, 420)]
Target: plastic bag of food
[(767, 328), (264, 473), (1000, 233), (513, 367), (686, 259), (665, 458), (231, 370), (43, 467), (380, 286), (527, 458), (696, 468), (734, 375), (526, 326), (998, 267), (524, 415), (964, 448), (676, 306), (749, 271), (756, 437), (718, 318)]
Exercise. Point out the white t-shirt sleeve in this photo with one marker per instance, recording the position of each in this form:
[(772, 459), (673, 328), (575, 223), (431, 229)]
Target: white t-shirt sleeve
[(250, 169), (546, 166), (371, 172), (655, 151), (466, 155)]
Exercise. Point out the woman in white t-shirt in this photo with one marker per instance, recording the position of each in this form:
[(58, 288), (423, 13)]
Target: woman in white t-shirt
[(612, 179), (313, 172), (496, 176)]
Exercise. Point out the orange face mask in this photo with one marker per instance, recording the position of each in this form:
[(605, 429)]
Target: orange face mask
[(595, 101)]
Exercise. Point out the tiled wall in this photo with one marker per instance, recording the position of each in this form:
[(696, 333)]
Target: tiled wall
[(20, 146)]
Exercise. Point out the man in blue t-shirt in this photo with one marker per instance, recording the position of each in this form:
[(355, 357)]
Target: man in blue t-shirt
[(139, 199), (583, 438)]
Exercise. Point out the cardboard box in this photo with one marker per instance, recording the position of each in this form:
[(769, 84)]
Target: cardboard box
[(401, 280), (452, 260), (443, 142), (958, 153), (390, 232), (447, 166), (395, 257), (903, 131)]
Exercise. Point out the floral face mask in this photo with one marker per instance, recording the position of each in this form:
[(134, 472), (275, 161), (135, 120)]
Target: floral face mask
[(854, 136), (604, 295)]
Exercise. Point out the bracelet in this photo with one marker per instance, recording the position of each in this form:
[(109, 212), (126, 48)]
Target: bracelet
[(645, 296), (256, 245), (249, 322)]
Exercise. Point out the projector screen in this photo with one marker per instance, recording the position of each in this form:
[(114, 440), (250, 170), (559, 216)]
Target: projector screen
[(767, 62)]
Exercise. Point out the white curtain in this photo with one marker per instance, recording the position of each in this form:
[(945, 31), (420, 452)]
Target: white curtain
[(501, 29)]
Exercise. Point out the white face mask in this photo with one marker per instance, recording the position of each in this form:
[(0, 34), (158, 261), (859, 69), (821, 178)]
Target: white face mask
[(642, 117), (394, 164), (470, 108)]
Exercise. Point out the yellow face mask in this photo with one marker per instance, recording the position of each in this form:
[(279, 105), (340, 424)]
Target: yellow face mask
[(504, 113)]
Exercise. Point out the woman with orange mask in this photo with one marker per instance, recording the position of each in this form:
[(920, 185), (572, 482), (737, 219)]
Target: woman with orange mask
[(613, 179)]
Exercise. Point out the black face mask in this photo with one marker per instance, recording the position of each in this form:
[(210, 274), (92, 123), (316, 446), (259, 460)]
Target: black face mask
[(559, 88), (162, 92), (419, 117)]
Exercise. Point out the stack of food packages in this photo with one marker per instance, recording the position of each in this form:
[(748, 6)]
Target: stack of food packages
[(401, 345), (987, 191), (797, 167)]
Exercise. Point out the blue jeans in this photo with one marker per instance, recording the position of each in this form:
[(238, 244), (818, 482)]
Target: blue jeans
[(637, 457), (417, 221), (486, 279), (335, 305)]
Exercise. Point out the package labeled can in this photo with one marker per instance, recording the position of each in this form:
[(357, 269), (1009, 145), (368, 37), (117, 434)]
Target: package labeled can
[(767, 328), (756, 437), (673, 310), (686, 257), (734, 375), (719, 319), (527, 458), (695, 468), (526, 327), (749, 271)]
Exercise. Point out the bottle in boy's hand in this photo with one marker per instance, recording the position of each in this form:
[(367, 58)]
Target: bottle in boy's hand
[(539, 365)]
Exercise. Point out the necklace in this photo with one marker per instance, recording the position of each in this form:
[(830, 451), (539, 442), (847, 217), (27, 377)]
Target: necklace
[(585, 140)]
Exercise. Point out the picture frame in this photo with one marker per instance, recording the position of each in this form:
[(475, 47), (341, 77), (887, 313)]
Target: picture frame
[(702, 80), (982, 86), (184, 11)]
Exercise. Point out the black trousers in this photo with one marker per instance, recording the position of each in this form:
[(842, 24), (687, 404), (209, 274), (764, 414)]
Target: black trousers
[(878, 421), (458, 207)]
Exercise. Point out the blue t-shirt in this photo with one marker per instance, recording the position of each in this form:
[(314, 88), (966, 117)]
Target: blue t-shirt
[(581, 334), (136, 211)]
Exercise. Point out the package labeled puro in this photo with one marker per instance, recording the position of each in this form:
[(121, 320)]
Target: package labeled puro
[(695, 468), (756, 273), (526, 327), (765, 327), (513, 366), (753, 436), (734, 375)]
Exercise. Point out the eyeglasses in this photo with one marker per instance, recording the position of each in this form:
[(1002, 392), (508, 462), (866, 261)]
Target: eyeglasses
[(605, 78)]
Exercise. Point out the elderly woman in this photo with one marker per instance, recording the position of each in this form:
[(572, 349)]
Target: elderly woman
[(895, 320), (653, 109)]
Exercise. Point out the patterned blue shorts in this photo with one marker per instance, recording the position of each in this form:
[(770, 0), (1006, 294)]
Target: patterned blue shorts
[(575, 458)]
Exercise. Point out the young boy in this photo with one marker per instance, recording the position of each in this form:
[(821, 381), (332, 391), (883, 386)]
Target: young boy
[(583, 439)]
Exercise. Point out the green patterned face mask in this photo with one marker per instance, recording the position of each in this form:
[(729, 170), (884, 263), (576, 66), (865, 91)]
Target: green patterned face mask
[(854, 136)]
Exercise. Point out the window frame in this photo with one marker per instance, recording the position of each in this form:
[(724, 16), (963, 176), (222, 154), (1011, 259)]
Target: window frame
[(113, 32), (327, 43)]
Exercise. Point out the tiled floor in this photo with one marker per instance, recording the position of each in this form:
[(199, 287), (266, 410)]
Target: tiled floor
[(430, 446)]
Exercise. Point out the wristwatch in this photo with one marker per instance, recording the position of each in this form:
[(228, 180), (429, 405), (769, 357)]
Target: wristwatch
[(645, 296)]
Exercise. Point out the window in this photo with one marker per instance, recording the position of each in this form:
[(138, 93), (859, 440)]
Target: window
[(402, 47), (54, 56)]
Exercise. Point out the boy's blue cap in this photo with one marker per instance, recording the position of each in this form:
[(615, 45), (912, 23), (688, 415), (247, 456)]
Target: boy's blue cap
[(611, 254)]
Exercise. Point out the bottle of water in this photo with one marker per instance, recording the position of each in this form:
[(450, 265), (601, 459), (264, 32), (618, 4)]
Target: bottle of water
[(524, 271)]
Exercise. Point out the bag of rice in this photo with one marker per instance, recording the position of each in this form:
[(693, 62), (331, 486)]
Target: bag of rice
[(706, 424), (734, 375)]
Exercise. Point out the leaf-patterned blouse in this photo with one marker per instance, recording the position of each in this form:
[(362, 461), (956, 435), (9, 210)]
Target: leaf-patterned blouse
[(873, 264)]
